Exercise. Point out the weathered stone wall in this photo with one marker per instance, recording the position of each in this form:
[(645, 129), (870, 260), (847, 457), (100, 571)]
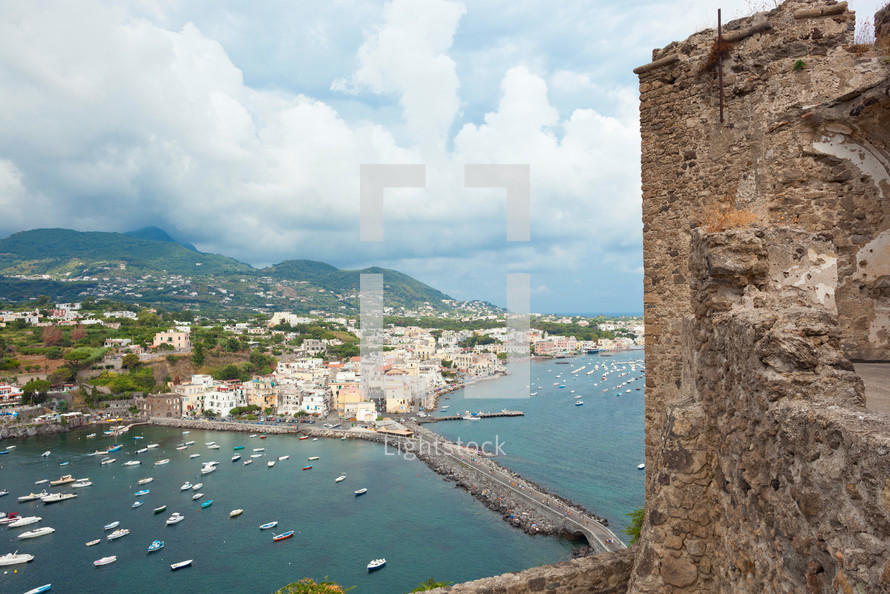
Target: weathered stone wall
[(771, 476), (804, 143), (604, 574)]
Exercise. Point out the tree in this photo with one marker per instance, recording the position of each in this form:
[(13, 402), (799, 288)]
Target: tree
[(52, 335), (198, 355), (147, 318), (60, 376), (267, 411), (636, 524), (78, 333), (34, 392), (210, 414), (53, 353), (233, 345), (42, 300), (130, 361)]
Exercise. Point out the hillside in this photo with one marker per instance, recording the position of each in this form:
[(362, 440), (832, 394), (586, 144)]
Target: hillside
[(148, 266), (64, 253)]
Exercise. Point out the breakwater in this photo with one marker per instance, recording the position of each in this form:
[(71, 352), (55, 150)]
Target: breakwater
[(520, 502)]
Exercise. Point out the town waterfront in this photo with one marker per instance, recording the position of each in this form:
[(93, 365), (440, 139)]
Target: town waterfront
[(420, 523)]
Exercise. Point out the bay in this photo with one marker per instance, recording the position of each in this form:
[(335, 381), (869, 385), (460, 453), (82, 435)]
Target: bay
[(421, 524)]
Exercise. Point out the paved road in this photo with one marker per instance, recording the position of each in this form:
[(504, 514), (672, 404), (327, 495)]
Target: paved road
[(598, 536)]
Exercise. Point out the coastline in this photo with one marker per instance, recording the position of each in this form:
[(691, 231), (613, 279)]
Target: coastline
[(481, 476)]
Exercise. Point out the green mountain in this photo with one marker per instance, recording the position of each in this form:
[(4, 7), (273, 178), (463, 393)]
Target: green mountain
[(156, 234), (150, 267), (65, 253)]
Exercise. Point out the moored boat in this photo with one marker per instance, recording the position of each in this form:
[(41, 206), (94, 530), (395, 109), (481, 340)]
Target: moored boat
[(106, 461), (39, 589), (120, 533), (82, 483), (156, 546), (175, 519), (283, 535), (93, 543), (25, 521), (142, 492), (340, 478), (207, 503), (246, 462), (311, 458), (132, 463), (268, 525), (208, 469), (57, 497), (361, 491), (235, 458), (193, 456), (37, 532), (197, 496), (181, 564), (283, 457), (164, 461), (152, 446), (197, 486), (376, 564), (32, 496), (15, 558), (302, 437), (145, 481), (270, 463), (62, 481), (239, 448), (45, 454), (235, 513), (105, 561), (114, 448), (111, 526), (307, 467), (137, 504), (185, 486), (158, 510)]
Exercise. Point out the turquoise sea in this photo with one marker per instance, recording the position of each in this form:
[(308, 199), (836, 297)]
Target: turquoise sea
[(423, 525)]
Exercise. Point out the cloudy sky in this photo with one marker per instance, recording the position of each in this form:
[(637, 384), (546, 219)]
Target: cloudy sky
[(241, 127)]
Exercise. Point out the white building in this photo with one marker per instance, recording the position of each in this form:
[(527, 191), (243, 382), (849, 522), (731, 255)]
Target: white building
[(222, 399)]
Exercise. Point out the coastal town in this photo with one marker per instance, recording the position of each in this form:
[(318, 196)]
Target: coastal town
[(283, 367)]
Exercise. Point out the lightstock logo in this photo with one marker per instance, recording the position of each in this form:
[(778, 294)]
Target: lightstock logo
[(374, 178)]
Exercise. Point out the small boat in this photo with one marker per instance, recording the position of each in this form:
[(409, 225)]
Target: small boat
[(4, 492), (118, 534), (235, 513), (114, 448), (38, 590), (252, 435), (82, 483), (314, 439), (209, 443), (164, 461), (269, 525), (259, 449), (376, 564), (186, 432), (26, 521), (197, 486), (235, 458), (208, 469), (256, 455), (132, 463), (138, 437), (211, 463), (93, 543), (311, 458), (142, 492), (111, 526), (579, 403), (141, 450), (361, 492), (45, 454), (32, 496), (239, 448), (155, 546), (307, 467), (246, 462), (340, 478), (91, 435), (283, 458), (270, 463), (213, 447), (175, 519), (105, 461), (152, 446), (188, 443), (158, 510), (263, 436), (641, 466), (180, 448), (62, 481), (136, 504), (145, 481), (207, 503), (37, 532), (197, 496), (283, 535), (57, 497), (185, 486), (104, 561), (302, 437), (13, 447), (15, 558), (41, 482), (180, 565), (67, 462), (193, 456)]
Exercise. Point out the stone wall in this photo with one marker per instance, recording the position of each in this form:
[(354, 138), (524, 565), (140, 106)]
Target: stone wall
[(771, 475), (604, 574)]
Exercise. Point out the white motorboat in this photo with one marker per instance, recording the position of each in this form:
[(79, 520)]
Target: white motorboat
[(197, 486), (197, 496), (361, 491), (141, 450), (186, 486), (340, 478), (152, 446), (175, 519), (236, 457), (235, 512), (268, 525), (283, 458), (208, 469), (45, 454), (118, 534), (209, 443), (181, 564), (246, 462), (376, 564), (111, 526), (259, 449), (26, 521), (57, 497), (104, 561), (32, 496), (641, 466), (213, 447), (145, 481), (105, 461), (180, 448), (270, 463), (312, 458), (193, 456), (188, 443), (41, 482), (137, 504), (133, 463), (256, 455), (37, 532), (82, 483), (15, 558), (93, 543), (164, 461)]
